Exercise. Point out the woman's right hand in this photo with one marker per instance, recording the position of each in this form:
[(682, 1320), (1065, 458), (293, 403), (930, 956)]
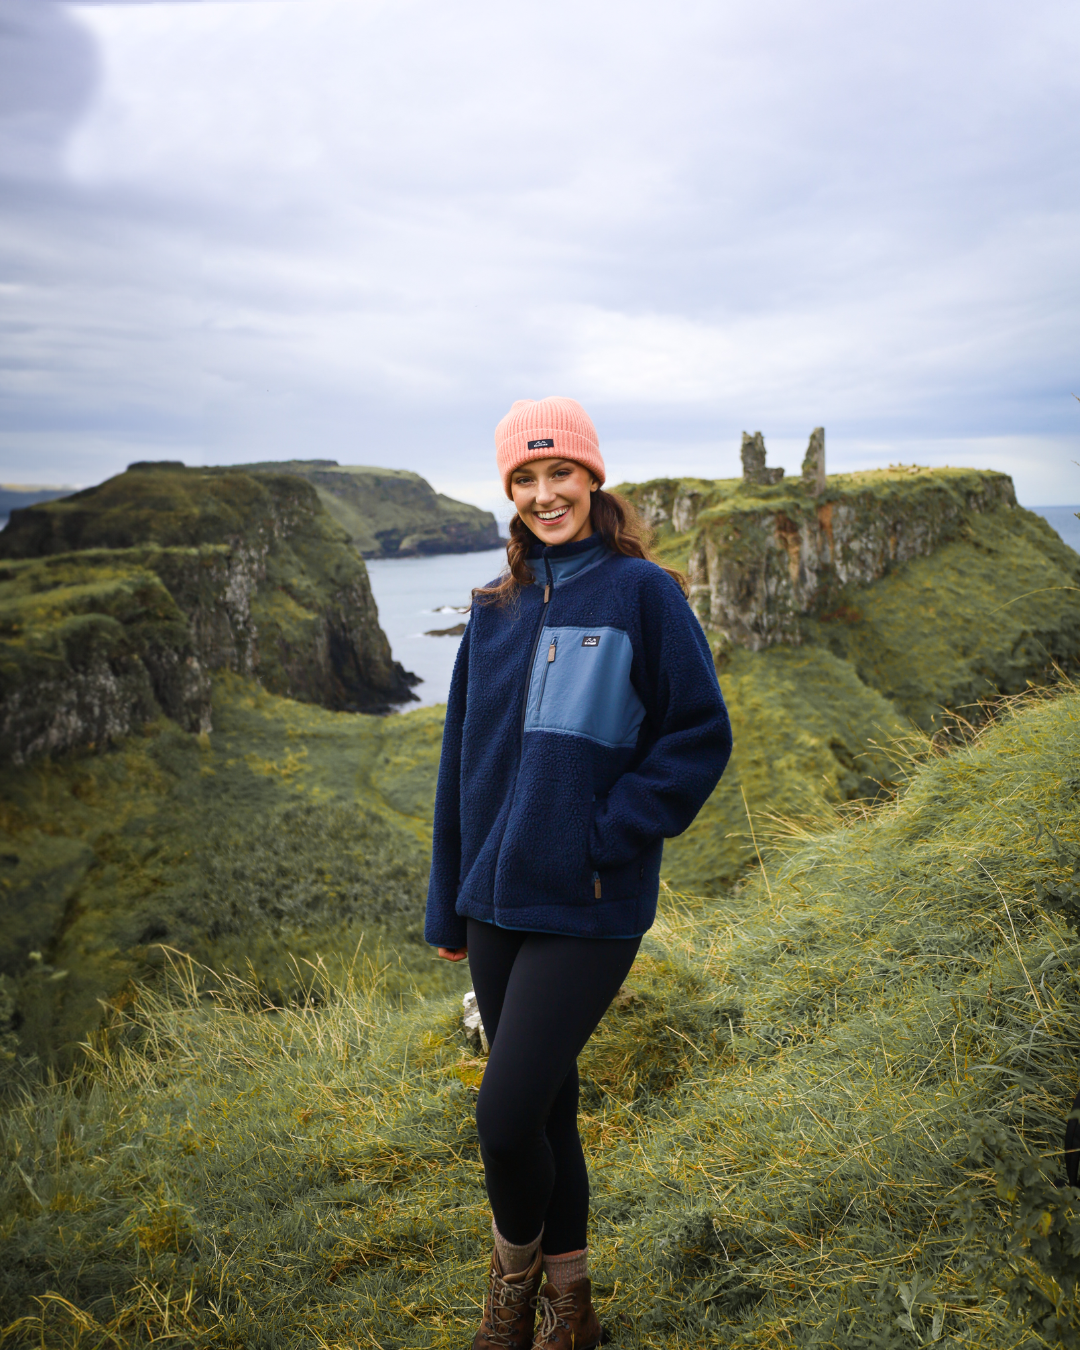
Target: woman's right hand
[(453, 953)]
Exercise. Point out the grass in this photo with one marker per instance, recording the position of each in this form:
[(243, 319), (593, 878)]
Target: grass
[(805, 729), (197, 843), (105, 856), (827, 1112), (980, 617)]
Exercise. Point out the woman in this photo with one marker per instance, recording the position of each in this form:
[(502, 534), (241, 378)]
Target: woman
[(584, 726)]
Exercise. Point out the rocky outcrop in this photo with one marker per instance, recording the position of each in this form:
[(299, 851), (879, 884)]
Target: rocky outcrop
[(761, 557), (391, 513), (754, 468), (473, 1026), (813, 466), (92, 646), (118, 603)]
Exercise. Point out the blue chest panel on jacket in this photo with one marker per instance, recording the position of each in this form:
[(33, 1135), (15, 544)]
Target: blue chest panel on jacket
[(580, 686)]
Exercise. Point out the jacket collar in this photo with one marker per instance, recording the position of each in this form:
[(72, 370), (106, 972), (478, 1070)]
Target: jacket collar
[(559, 562)]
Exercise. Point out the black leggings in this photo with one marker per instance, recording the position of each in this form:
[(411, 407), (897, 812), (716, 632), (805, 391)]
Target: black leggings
[(541, 996)]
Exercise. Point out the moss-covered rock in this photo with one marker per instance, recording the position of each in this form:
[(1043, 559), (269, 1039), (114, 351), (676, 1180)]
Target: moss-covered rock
[(392, 513), (762, 556), (91, 646), (881, 567), (117, 603)]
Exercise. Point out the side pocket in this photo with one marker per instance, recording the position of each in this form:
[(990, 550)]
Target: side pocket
[(640, 876)]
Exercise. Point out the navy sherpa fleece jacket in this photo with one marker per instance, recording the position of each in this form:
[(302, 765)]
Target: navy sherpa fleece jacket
[(584, 726)]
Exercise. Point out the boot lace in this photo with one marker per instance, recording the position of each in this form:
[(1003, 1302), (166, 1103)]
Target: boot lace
[(508, 1302), (551, 1310)]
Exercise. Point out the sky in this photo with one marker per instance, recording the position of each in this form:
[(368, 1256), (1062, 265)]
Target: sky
[(359, 229)]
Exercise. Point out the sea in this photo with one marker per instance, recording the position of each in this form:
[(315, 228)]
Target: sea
[(420, 596)]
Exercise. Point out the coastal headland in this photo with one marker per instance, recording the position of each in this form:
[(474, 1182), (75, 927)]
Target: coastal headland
[(841, 1066)]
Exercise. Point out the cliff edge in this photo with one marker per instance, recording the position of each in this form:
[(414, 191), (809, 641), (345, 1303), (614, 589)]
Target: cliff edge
[(913, 575), (117, 603)]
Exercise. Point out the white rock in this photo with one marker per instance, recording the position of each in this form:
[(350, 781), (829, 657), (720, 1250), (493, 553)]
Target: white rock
[(474, 1027)]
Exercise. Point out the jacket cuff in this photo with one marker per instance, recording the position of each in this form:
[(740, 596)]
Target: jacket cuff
[(452, 935)]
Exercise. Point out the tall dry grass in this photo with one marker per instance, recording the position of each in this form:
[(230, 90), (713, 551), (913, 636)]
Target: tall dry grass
[(827, 1111)]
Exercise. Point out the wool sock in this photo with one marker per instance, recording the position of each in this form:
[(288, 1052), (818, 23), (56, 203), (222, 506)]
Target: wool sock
[(566, 1269), (513, 1258)]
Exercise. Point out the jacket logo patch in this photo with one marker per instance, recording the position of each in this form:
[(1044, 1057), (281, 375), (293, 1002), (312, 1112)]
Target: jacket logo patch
[(591, 641), (547, 444)]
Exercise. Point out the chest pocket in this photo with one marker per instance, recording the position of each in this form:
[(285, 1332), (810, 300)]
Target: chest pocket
[(580, 685)]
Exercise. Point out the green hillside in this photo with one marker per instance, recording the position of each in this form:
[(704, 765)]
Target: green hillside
[(391, 513), (289, 830), (288, 833), (826, 1111)]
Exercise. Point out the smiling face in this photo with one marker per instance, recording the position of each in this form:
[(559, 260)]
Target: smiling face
[(554, 497)]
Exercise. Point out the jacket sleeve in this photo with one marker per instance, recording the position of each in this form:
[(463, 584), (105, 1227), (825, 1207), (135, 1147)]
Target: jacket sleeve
[(662, 795), (443, 926)]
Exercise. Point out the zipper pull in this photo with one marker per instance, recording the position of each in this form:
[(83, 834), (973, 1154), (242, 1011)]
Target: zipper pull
[(551, 650), (547, 591), (596, 885)]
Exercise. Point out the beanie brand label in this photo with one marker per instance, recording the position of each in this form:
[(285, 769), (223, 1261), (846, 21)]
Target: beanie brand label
[(546, 444), (593, 640)]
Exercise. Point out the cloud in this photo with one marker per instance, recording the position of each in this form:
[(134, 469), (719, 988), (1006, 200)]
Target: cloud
[(48, 68), (359, 229)]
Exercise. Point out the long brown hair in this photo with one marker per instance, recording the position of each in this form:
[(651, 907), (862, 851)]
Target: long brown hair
[(618, 524)]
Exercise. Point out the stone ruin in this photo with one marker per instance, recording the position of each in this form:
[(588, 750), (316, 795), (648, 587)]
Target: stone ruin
[(813, 465), (757, 473), (753, 462)]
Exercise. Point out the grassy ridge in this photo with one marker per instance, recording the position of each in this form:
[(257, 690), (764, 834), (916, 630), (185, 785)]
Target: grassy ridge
[(980, 617), (827, 1112), (289, 831), (391, 512)]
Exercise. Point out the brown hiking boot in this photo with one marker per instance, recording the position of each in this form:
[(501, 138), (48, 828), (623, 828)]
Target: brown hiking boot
[(568, 1321), (509, 1308)]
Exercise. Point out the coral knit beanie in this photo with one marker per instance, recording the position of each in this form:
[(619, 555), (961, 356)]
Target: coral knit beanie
[(546, 428)]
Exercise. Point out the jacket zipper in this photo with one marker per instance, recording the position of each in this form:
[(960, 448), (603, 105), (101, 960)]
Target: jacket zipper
[(543, 678), (596, 885), (532, 656)]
